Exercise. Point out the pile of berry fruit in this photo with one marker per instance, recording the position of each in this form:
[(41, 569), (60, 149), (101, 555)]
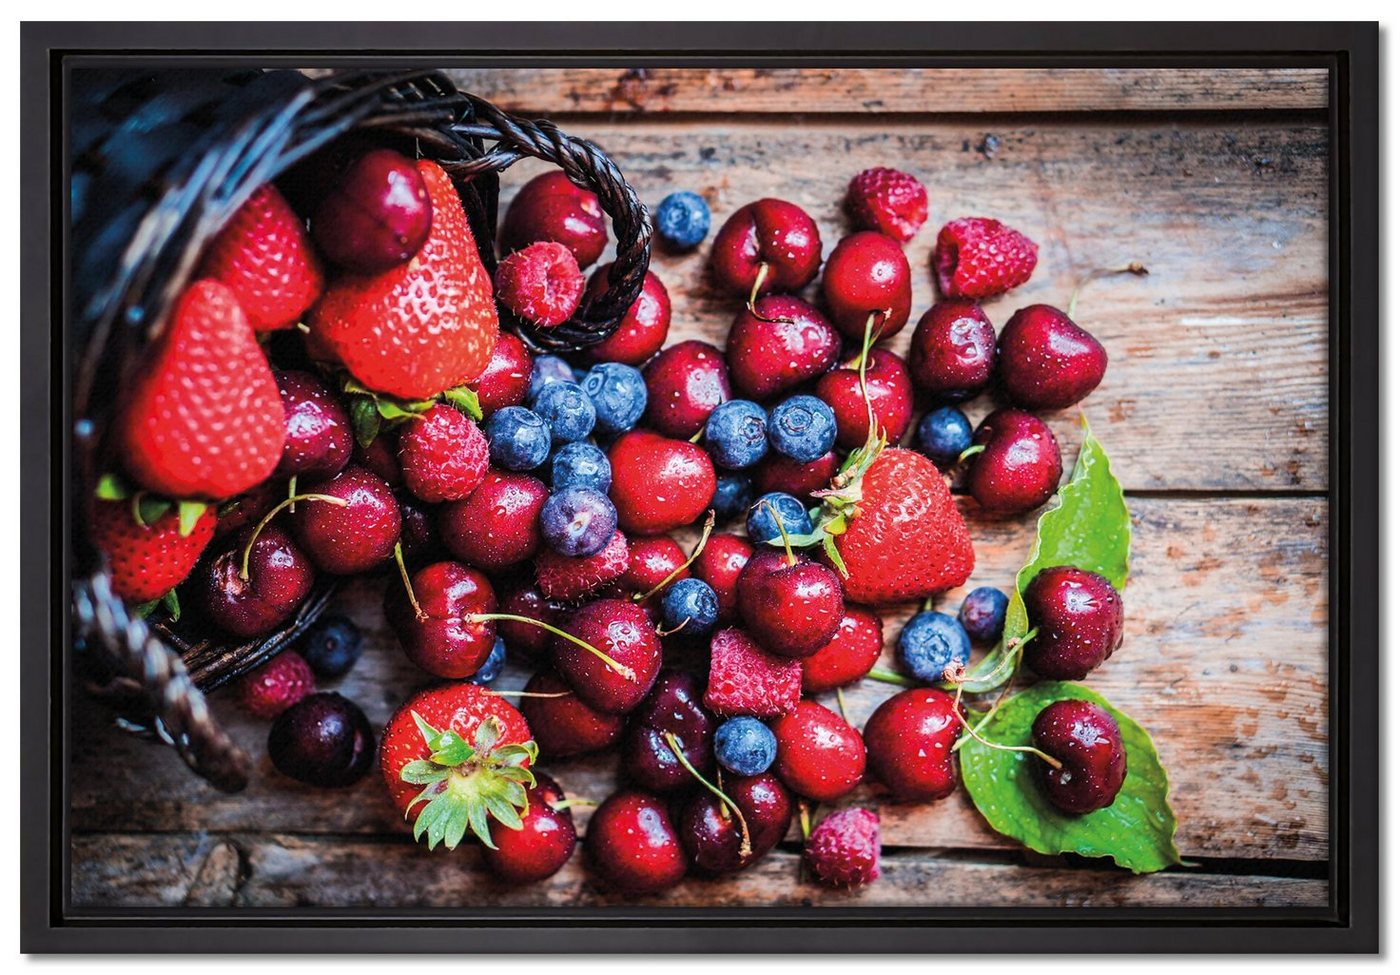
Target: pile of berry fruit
[(335, 395)]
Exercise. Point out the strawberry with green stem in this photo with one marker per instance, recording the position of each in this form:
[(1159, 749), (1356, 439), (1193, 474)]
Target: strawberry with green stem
[(150, 544)]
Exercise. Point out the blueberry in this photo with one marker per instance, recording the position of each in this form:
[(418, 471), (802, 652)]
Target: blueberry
[(983, 614), (578, 521), (932, 642), (689, 606), (323, 740), (943, 435), (682, 220), (745, 746), (580, 465), (331, 645), (519, 439), (733, 495), (493, 666), (763, 527), (547, 369), (736, 434), (567, 409), (802, 428), (619, 395)]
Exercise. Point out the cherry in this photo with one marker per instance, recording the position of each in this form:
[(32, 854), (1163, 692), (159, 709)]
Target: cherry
[(381, 457), (249, 507), (820, 756), (720, 564), (1047, 362), (506, 377), (671, 712), (376, 216), (891, 397), (418, 533), (643, 329), (542, 845), (255, 602), (954, 351), (522, 598), (787, 476), (659, 484), (632, 844), (621, 630), (1078, 621), (684, 385), (1087, 742), (790, 604), (498, 524), (323, 740), (710, 831), (867, 286), (779, 345), (552, 207), (318, 440), (910, 741), (652, 561), (1019, 466), (765, 246), (353, 537), (848, 656), (441, 633), (564, 726)]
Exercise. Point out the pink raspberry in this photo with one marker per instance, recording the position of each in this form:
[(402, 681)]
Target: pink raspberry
[(276, 685), (886, 200), (443, 454), (746, 679), (978, 257), (844, 849), (568, 579), (540, 284)]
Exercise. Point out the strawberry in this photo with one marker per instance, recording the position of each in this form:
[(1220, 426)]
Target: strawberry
[(746, 679), (461, 757), (151, 556), (888, 200), (424, 326), (266, 259), (569, 579), (978, 257), (892, 530), (276, 685), (203, 418)]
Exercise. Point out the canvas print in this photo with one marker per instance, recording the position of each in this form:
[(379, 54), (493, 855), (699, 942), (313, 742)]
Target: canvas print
[(816, 487)]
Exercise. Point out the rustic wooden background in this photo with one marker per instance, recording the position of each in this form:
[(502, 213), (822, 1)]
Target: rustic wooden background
[(1214, 412)]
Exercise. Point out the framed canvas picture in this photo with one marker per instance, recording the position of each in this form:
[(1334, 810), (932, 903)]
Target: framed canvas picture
[(617, 482)]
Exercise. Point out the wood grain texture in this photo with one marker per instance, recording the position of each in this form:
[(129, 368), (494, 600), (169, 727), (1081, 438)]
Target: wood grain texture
[(559, 91)]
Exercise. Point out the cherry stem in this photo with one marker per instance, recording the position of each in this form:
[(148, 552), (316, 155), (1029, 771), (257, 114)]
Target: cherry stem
[(709, 526), (531, 693), (418, 612), (841, 706), (957, 676), (292, 492), (627, 673), (276, 510), (563, 804), (1133, 267), (758, 280), (865, 348), (745, 846), (972, 451), (890, 677), (675, 629), (804, 818), (787, 545)]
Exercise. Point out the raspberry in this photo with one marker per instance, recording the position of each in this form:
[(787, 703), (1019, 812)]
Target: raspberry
[(746, 679), (541, 284), (444, 455), (564, 578), (978, 257), (276, 685), (844, 849), (889, 201)]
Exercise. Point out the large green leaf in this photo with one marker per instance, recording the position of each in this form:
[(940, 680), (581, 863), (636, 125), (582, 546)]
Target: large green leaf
[(1137, 831)]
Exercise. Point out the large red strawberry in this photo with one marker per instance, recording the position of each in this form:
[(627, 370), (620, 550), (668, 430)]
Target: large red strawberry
[(265, 258), (895, 533), (203, 418), (457, 757), (421, 327), (148, 560)]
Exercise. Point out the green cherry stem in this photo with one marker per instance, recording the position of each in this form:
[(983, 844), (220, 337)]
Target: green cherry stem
[(627, 673), (890, 677), (563, 804), (752, 305), (972, 451), (787, 544), (865, 346), (291, 492), (695, 554), (841, 706), (530, 693), (745, 846), (277, 510), (418, 612)]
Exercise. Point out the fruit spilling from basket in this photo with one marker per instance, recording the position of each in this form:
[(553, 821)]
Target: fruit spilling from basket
[(336, 395)]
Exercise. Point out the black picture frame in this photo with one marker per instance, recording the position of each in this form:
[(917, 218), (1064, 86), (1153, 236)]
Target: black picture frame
[(1349, 924)]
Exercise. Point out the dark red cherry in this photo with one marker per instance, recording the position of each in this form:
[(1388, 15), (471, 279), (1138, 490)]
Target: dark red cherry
[(720, 564), (318, 440), (498, 524), (1020, 468), (779, 345), (620, 629), (1089, 745), (323, 740), (446, 640), (1046, 362), (248, 508), (520, 597), (867, 274), (791, 608), (820, 756), (848, 656), (777, 472), (564, 726), (377, 216), (954, 351), (381, 457), (632, 844), (909, 743), (419, 534), (673, 707), (552, 207), (770, 237), (644, 327), (353, 537), (891, 397), (507, 375), (684, 385), (1078, 619), (710, 831), (279, 578), (544, 843)]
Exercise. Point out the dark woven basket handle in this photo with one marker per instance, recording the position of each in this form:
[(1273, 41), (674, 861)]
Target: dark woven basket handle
[(588, 166)]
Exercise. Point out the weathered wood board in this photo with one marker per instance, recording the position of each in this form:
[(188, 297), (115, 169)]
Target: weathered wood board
[(1214, 412)]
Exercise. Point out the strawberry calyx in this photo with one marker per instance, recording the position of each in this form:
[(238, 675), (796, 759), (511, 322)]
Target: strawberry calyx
[(840, 503), (372, 411), (467, 785), (147, 508)]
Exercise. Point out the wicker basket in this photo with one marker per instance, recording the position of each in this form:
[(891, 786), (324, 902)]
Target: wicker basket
[(161, 161)]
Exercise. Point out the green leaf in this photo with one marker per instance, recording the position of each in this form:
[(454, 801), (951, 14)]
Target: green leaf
[(190, 513), (148, 509), (110, 487), (145, 609), (171, 604), (465, 399), (364, 420), (421, 772), (451, 750), (1137, 831)]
